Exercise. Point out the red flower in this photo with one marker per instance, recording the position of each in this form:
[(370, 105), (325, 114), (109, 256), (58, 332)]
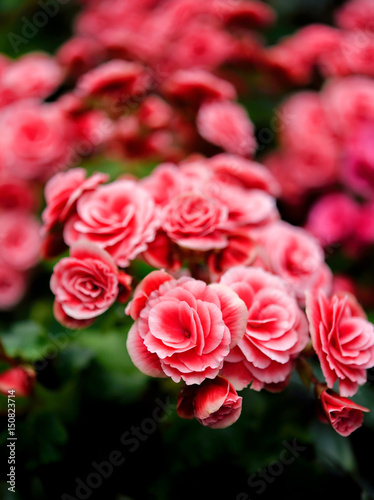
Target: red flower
[(276, 331), (355, 15), (34, 75), (120, 217), (80, 54), (37, 141), (16, 194), (19, 379), (85, 284), (193, 220), (333, 218), (214, 403), (183, 328), (194, 86), (226, 124), (62, 193), (296, 256), (19, 239), (210, 205), (343, 339), (12, 286), (343, 414), (115, 79)]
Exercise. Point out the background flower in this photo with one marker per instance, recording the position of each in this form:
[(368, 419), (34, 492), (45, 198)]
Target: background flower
[(165, 97)]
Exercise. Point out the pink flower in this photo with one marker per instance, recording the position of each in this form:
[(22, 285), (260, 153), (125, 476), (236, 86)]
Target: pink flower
[(183, 328), (277, 162), (343, 414), (358, 163), (16, 194), (210, 205), (214, 403), (276, 331), (200, 45), (62, 192), (237, 171), (193, 220), (168, 180), (241, 249), (91, 128), (85, 284), (247, 209), (19, 379), (226, 124), (301, 116), (155, 113), (207, 207), (162, 253), (308, 141), (19, 239), (4, 63), (119, 217), (343, 339), (12, 286), (333, 218), (116, 79), (293, 254), (350, 57), (348, 103), (80, 54), (365, 224), (36, 141), (34, 75), (309, 153), (296, 56), (343, 283), (193, 86), (176, 34), (355, 15), (245, 13)]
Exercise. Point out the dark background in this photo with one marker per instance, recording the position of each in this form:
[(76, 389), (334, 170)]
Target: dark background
[(88, 395)]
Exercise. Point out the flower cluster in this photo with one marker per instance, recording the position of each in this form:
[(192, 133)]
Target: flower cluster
[(332, 51), (238, 296), (33, 146), (124, 88), (324, 162), (176, 34)]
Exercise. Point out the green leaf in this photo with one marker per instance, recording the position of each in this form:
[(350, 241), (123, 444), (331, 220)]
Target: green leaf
[(48, 427), (72, 360), (9, 5), (63, 402), (332, 448), (45, 434), (4, 366), (103, 384), (114, 375), (8, 495), (109, 349), (26, 340)]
